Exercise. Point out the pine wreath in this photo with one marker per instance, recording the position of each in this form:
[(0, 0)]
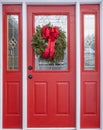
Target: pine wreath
[(49, 43)]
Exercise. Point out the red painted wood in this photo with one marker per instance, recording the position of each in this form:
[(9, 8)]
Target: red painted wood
[(90, 80), (51, 94), (12, 80), (63, 98)]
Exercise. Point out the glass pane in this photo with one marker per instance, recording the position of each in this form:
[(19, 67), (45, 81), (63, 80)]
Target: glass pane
[(55, 20), (12, 42), (89, 42)]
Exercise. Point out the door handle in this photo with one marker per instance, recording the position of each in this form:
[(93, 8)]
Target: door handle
[(30, 67), (30, 76)]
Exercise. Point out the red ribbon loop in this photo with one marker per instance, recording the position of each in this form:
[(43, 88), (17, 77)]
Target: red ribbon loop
[(50, 34)]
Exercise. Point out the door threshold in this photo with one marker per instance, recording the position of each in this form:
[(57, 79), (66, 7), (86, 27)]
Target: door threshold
[(52, 128)]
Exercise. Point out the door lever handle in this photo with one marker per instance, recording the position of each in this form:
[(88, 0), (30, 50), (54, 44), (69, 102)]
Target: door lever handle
[(30, 76)]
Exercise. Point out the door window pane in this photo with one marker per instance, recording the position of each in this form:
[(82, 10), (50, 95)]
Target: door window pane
[(55, 20), (89, 42), (12, 21)]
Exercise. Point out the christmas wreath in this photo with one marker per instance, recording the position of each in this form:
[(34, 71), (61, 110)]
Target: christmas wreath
[(49, 43)]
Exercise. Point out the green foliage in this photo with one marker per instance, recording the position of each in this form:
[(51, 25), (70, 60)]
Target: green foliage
[(39, 44)]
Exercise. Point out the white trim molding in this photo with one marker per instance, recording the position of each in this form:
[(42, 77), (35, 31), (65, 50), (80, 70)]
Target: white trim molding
[(78, 66), (101, 65), (24, 66), (24, 57), (51, 128), (1, 66), (54, 2)]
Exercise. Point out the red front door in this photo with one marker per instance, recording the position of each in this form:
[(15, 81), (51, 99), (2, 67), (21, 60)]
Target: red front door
[(51, 89)]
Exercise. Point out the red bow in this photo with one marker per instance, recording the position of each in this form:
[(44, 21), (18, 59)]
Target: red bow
[(50, 34)]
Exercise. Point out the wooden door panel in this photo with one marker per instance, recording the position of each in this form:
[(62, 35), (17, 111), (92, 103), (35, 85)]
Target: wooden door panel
[(90, 77), (51, 93), (40, 98), (12, 89), (57, 95), (12, 66), (62, 98), (90, 88)]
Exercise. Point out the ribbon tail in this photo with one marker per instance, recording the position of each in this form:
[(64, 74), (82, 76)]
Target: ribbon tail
[(52, 49), (47, 50)]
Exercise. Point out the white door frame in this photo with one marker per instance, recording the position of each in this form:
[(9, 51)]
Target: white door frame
[(24, 53)]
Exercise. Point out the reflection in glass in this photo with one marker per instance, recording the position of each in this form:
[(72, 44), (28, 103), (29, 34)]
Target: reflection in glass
[(12, 42), (89, 42), (55, 20)]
